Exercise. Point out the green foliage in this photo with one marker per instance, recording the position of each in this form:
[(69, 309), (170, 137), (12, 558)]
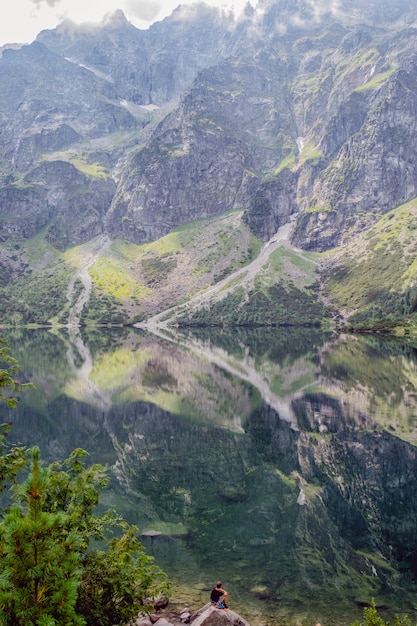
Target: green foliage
[(36, 298), (52, 573), (277, 305), (75, 490), (115, 583), (376, 81), (40, 560), (372, 618), (103, 308), (12, 461), (95, 170), (112, 276), (287, 162), (387, 311), (379, 289)]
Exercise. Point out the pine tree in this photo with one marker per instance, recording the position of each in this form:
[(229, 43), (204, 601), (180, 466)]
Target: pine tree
[(40, 559), (116, 582), (49, 572)]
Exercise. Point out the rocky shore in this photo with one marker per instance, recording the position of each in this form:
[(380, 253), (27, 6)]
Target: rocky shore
[(208, 615)]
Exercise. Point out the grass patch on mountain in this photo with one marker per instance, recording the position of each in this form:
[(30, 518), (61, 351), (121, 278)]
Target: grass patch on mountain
[(376, 81), (227, 254), (40, 251), (364, 58), (111, 276), (372, 279), (168, 271), (287, 163), (302, 268), (92, 170), (36, 298)]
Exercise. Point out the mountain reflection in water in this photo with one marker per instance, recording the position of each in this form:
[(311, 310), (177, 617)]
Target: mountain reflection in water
[(282, 461)]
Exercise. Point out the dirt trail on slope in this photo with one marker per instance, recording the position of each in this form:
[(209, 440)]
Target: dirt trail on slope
[(91, 254), (76, 348), (220, 290)]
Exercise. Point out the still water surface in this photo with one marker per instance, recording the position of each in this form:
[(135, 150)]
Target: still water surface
[(281, 461)]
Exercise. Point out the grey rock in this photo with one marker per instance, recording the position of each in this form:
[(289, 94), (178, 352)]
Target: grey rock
[(185, 616), (144, 620), (162, 622), (209, 615)]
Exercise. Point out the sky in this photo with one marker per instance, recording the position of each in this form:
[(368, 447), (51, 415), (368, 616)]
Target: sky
[(22, 20)]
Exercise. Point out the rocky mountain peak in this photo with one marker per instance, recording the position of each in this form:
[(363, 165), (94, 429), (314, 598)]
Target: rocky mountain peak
[(117, 19)]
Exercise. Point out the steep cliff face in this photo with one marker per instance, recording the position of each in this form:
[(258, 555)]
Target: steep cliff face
[(44, 92), (373, 170), (41, 188), (49, 196), (75, 85), (208, 156)]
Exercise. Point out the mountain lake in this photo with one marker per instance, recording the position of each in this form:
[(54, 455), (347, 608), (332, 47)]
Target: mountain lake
[(282, 461)]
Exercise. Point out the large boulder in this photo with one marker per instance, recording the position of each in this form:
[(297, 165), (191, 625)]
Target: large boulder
[(210, 615)]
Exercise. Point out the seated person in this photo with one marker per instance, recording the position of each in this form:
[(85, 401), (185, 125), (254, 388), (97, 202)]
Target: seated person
[(219, 595)]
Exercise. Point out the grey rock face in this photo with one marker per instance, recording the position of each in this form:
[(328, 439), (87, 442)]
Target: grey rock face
[(22, 212), (373, 170), (294, 109), (153, 66), (208, 156), (58, 193)]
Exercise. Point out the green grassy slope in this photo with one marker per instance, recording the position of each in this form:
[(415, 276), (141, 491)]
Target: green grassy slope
[(372, 280), (129, 282), (285, 292)]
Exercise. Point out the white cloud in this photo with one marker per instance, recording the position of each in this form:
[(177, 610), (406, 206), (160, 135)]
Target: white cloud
[(143, 10), (49, 3), (22, 20)]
